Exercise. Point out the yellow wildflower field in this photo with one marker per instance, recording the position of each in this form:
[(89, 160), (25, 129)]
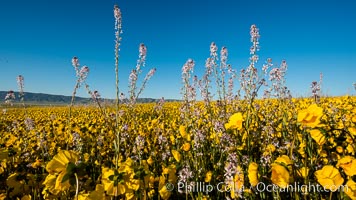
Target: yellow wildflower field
[(283, 149)]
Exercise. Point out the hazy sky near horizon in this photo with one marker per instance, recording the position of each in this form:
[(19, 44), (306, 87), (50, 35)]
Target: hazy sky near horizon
[(38, 39)]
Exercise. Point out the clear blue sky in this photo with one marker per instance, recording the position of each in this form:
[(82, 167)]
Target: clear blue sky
[(38, 38)]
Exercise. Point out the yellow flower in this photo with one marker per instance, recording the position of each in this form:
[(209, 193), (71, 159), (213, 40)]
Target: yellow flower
[(348, 164), (236, 186), (318, 136), (310, 117), (36, 164), (301, 149), (329, 177), (171, 172), (122, 180), (285, 160), (11, 140), (235, 121), (97, 194), (350, 149), (182, 131), (59, 162), (205, 197), (150, 161), (151, 193), (50, 184), (86, 157), (2, 166), (109, 180), (350, 189), (83, 197), (57, 169), (280, 175), (164, 193), (238, 179), (339, 149), (253, 173), (303, 172), (270, 148), (352, 130), (186, 146), (173, 139), (208, 176), (162, 189), (154, 122), (176, 155)]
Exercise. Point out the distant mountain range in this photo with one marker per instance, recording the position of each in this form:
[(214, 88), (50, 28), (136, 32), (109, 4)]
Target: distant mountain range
[(41, 98)]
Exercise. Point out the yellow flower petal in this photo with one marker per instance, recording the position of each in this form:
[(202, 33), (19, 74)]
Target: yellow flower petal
[(350, 189), (59, 162), (253, 173), (318, 136), (208, 176), (164, 193), (310, 117), (235, 121), (186, 146), (348, 164), (329, 177), (280, 175), (176, 155)]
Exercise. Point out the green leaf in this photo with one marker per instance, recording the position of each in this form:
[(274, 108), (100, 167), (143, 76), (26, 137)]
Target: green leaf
[(65, 177), (70, 168)]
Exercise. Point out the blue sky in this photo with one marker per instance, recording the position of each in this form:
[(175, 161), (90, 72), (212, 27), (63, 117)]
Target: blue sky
[(38, 39)]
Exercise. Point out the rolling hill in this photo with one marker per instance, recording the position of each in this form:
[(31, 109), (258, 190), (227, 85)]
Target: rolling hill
[(41, 98)]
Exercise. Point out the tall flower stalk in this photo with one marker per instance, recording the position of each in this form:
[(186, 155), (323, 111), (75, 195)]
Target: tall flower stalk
[(118, 32), (249, 80), (20, 83), (134, 75), (316, 88), (187, 89), (81, 74)]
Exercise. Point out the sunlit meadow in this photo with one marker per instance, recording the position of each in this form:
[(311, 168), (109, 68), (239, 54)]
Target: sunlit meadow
[(234, 135)]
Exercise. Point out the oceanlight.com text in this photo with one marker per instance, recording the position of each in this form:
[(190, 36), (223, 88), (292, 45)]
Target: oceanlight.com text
[(203, 187), (298, 187)]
